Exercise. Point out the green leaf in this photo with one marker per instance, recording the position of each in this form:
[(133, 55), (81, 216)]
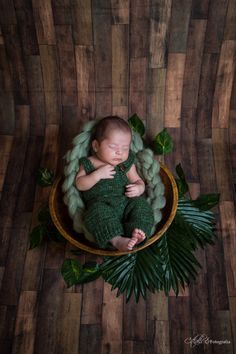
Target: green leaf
[(196, 224), (90, 271), (71, 271), (206, 201), (74, 273), (136, 124), (181, 181), (37, 236), (163, 143), (134, 273), (44, 177)]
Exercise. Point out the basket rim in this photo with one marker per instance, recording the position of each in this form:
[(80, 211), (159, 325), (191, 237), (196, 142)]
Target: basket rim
[(104, 252)]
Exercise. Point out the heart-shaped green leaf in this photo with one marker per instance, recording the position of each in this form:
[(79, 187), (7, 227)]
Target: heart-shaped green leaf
[(71, 271), (90, 272), (136, 124), (37, 236), (163, 143)]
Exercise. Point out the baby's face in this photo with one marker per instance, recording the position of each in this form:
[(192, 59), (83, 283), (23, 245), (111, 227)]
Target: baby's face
[(114, 149)]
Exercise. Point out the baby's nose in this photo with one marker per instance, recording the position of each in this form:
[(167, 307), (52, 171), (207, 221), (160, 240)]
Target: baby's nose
[(118, 152)]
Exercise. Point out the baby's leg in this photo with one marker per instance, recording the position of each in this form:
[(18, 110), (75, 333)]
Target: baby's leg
[(102, 221), (138, 218), (124, 243)]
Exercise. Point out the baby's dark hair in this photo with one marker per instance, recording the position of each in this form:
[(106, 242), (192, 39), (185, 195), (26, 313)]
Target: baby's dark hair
[(106, 124)]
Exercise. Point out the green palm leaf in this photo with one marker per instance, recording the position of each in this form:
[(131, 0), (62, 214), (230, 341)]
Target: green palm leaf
[(198, 224), (134, 273)]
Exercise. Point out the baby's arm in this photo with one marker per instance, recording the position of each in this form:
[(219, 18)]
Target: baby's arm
[(84, 182), (137, 186)]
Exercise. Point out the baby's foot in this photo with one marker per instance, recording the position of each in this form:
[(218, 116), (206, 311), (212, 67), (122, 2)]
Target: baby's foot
[(139, 235), (123, 243)]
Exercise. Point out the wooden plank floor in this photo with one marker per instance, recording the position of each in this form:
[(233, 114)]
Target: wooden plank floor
[(64, 62)]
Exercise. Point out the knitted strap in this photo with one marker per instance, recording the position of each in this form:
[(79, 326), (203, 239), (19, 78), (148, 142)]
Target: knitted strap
[(87, 164), (125, 166)]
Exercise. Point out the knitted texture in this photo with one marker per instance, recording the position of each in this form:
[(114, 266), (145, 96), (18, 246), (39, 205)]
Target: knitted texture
[(147, 167), (109, 212)]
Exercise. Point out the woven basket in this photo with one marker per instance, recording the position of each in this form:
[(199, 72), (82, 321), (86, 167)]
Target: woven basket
[(64, 224)]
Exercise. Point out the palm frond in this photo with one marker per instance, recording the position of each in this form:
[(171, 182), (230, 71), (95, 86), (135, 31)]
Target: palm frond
[(134, 273)]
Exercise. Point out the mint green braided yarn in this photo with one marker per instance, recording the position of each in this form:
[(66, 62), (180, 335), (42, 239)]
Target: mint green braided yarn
[(147, 167)]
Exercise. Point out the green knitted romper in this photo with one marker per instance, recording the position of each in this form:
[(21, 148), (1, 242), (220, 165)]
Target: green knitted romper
[(109, 212)]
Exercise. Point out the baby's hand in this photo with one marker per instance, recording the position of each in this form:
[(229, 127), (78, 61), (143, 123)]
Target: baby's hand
[(133, 190), (106, 171)]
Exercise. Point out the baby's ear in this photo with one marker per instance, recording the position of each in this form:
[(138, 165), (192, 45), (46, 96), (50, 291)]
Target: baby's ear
[(95, 145)]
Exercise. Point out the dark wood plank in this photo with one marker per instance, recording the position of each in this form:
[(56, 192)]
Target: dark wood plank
[(92, 303), (230, 25), (66, 55), (139, 28), (5, 149), (25, 326), (90, 339), (16, 63), (134, 320), (85, 82), (157, 323), (200, 9), (49, 308), (173, 89), (206, 94), (222, 164), (188, 144), (51, 80), (228, 228), (194, 54), (25, 200), (120, 11), (13, 178), (11, 283), (112, 320), (137, 86), (223, 87), (180, 324), (101, 17), (232, 146), (215, 25), (7, 324), (27, 31), (69, 324), (7, 13), (120, 74), (62, 12), (156, 100), (82, 22), (36, 95), (159, 23), (179, 24)]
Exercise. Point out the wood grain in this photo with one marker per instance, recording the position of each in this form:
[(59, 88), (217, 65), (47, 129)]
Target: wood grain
[(112, 321), (174, 87), (159, 24), (224, 82), (120, 65), (43, 18), (179, 24), (64, 62), (120, 11)]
